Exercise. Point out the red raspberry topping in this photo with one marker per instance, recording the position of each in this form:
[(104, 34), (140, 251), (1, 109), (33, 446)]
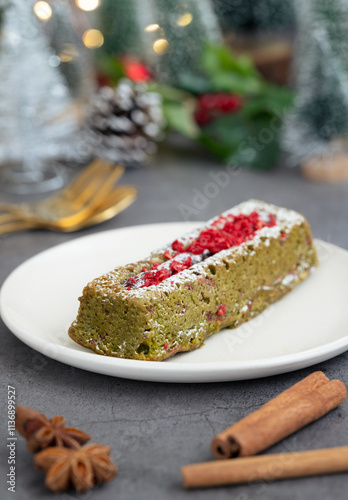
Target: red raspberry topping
[(178, 246), (222, 310), (225, 232), (176, 266), (272, 220), (167, 255), (155, 277)]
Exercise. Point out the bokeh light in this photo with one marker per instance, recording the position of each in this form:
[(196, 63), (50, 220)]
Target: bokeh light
[(161, 46), (93, 39), (185, 19), (88, 5), (152, 27), (43, 10)]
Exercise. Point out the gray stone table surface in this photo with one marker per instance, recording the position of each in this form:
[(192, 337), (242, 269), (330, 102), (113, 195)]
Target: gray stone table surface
[(153, 428)]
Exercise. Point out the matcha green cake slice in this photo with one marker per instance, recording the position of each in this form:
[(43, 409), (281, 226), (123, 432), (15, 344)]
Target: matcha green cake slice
[(220, 275)]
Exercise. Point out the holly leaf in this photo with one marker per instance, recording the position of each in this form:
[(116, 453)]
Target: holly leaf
[(178, 108), (112, 67), (235, 83), (228, 72), (271, 99), (218, 58), (180, 118), (168, 93), (195, 84), (247, 143)]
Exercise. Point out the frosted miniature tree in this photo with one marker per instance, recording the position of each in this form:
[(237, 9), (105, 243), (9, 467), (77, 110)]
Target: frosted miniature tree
[(318, 126), (168, 35), (187, 26), (35, 123)]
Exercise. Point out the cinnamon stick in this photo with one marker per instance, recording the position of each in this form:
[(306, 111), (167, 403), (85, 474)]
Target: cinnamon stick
[(301, 404), (266, 468)]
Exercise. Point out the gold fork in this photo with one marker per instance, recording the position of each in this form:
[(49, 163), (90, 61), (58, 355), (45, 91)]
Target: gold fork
[(73, 203), (116, 201)]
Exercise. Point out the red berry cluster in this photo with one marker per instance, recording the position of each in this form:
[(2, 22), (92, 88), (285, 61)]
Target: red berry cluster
[(154, 276), (135, 70), (177, 267), (225, 232), (215, 104)]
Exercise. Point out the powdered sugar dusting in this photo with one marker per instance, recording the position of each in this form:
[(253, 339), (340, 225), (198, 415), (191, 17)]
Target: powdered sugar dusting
[(285, 221)]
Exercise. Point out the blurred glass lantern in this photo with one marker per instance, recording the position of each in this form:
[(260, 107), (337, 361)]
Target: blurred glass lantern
[(45, 81)]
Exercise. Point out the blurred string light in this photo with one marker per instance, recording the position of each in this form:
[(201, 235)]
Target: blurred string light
[(87, 5), (185, 19), (152, 27), (161, 46), (93, 39), (43, 10)]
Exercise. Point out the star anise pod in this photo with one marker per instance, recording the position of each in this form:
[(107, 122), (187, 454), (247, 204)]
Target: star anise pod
[(41, 433), (81, 468)]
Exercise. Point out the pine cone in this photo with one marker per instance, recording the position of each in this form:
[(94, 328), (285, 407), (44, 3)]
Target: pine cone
[(125, 122)]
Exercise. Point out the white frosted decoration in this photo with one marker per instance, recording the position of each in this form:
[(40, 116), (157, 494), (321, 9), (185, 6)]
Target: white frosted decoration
[(318, 123), (38, 121)]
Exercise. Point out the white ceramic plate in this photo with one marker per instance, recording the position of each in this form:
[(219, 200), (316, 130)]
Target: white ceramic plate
[(38, 301)]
